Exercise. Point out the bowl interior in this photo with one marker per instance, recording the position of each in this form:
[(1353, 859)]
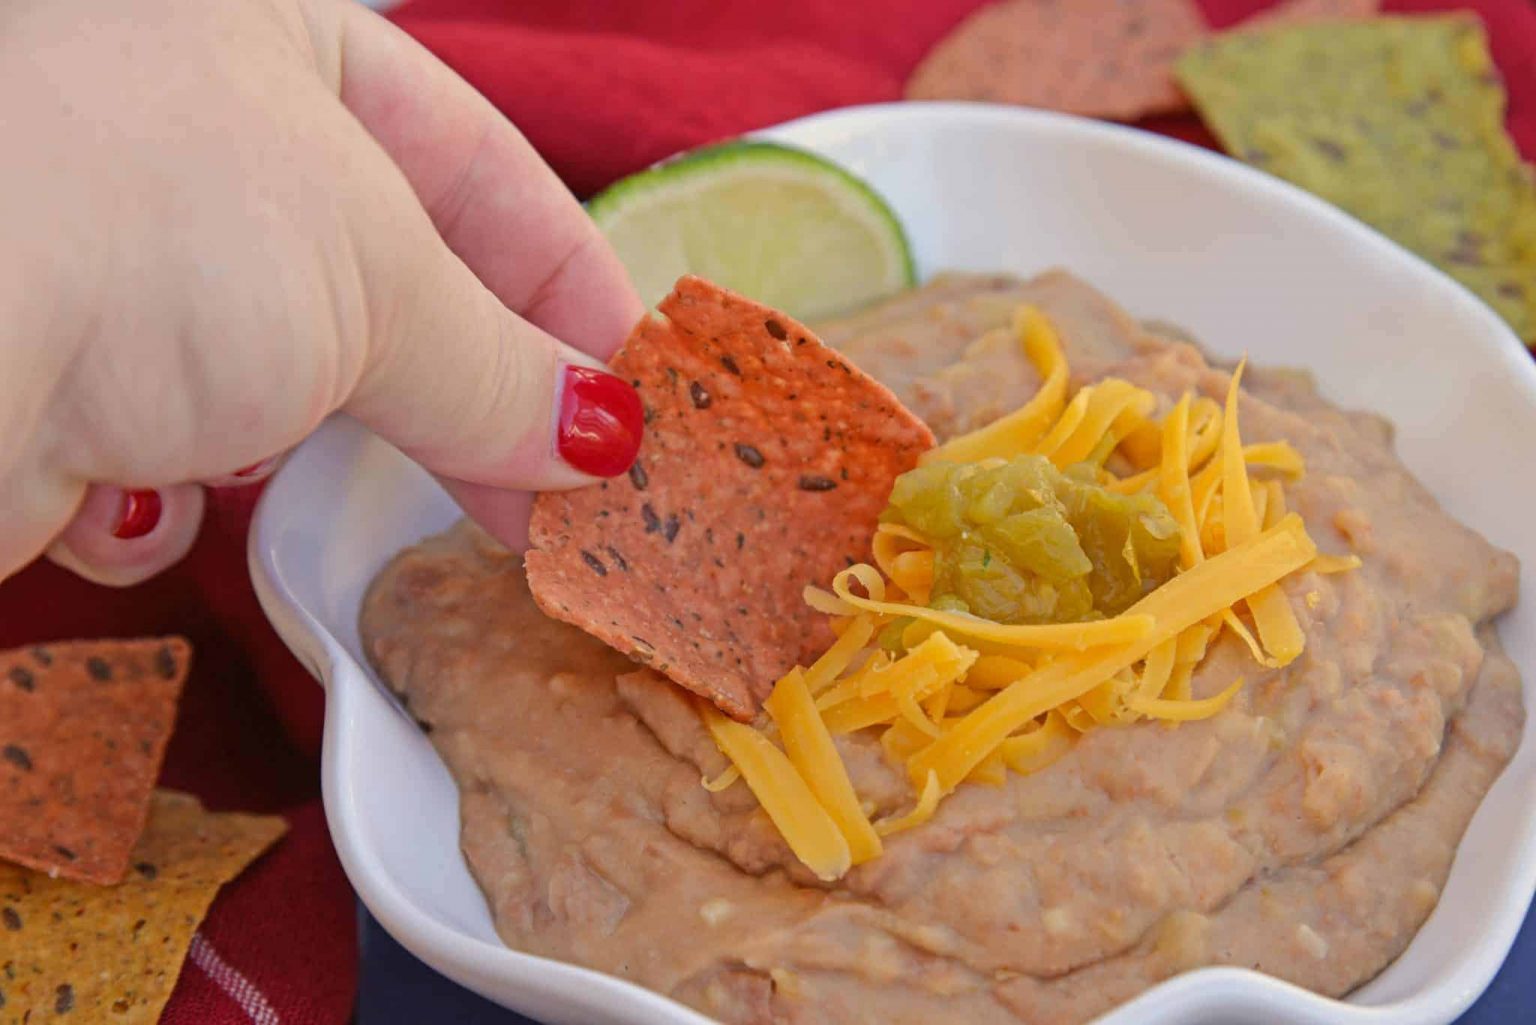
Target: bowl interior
[(1246, 263)]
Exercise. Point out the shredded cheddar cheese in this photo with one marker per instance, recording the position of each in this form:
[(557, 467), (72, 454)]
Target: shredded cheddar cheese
[(724, 781), (1157, 671), (1181, 603), (956, 699), (1173, 482), (836, 658), (1276, 623), (1073, 636), (1103, 406), (1163, 708), (1027, 423), (812, 753), (926, 805), (784, 794), (1038, 746), (1327, 564)]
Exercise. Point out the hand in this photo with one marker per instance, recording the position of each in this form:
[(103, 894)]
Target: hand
[(225, 221)]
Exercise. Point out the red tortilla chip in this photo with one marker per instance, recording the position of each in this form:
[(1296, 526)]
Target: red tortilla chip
[(1300, 12), (83, 727), (766, 463), (1100, 58)]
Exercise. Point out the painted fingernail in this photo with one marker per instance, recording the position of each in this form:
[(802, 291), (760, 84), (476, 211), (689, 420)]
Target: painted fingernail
[(601, 421), (244, 477), (253, 469), (138, 514)]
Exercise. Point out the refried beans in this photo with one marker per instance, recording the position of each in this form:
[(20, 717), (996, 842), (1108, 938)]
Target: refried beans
[(1305, 831)]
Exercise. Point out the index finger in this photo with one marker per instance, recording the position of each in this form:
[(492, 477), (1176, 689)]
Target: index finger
[(493, 199)]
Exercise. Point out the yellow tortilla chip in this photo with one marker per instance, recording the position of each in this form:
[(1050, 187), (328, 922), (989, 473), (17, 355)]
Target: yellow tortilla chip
[(112, 953)]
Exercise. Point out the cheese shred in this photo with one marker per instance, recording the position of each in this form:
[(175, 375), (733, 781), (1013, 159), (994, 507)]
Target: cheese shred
[(961, 700), (812, 752), (784, 794), (1026, 424), (1179, 604), (927, 804)]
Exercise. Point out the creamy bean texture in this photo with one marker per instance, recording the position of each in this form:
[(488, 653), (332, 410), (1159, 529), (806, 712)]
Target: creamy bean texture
[(1305, 831)]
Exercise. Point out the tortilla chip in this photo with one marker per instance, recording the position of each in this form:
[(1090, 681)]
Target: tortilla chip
[(1399, 121), (1100, 58), (1300, 12), (83, 727), (112, 953), (766, 463)]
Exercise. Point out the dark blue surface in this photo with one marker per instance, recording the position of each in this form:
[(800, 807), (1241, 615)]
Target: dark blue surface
[(398, 988)]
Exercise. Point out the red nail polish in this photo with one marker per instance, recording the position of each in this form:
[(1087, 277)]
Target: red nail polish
[(138, 515), (253, 469), (601, 421)]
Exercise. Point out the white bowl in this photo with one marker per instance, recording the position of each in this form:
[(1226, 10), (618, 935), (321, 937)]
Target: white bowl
[(1247, 263)]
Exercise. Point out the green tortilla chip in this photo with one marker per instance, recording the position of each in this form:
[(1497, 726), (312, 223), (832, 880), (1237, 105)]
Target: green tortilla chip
[(72, 951), (1399, 121)]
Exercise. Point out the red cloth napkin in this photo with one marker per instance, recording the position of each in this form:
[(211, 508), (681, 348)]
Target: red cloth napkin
[(601, 87)]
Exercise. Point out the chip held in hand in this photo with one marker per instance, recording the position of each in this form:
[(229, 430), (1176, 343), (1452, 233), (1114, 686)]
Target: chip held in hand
[(766, 463)]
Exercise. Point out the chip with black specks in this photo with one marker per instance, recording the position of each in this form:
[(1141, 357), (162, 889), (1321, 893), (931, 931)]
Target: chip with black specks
[(769, 459), (83, 728), (76, 951), (1400, 122), (1099, 58)]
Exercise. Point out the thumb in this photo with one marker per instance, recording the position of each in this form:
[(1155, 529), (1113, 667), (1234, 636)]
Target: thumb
[(483, 236)]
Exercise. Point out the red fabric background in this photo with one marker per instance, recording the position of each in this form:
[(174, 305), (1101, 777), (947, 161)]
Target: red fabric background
[(601, 87)]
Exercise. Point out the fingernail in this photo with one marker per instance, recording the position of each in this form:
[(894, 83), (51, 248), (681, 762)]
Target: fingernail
[(245, 476), (138, 514), (254, 468), (601, 422)]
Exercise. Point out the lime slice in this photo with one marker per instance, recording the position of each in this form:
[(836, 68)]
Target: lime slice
[(779, 225)]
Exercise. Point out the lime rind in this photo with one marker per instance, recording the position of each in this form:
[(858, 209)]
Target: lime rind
[(763, 165)]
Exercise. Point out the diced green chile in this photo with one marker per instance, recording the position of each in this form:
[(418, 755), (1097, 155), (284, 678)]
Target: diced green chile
[(928, 500), (889, 638), (1021, 542)]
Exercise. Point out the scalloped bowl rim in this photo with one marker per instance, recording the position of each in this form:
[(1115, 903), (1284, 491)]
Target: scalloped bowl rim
[(345, 502)]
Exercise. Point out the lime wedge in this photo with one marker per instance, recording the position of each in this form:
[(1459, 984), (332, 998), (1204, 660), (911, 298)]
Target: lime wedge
[(776, 224)]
